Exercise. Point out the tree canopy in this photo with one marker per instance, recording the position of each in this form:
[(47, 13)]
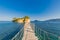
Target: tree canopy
[(23, 19), (26, 17)]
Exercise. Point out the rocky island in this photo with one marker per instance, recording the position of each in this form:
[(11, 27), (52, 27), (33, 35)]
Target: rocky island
[(25, 19)]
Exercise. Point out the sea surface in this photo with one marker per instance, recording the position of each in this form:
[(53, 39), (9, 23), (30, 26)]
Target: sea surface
[(52, 29), (9, 29)]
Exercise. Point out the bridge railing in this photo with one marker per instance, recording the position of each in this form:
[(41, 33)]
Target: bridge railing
[(19, 35), (44, 35)]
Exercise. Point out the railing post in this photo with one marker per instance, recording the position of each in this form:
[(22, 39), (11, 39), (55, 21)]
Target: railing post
[(44, 35), (18, 36), (40, 34)]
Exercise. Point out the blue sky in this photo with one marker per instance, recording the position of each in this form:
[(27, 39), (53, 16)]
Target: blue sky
[(35, 9)]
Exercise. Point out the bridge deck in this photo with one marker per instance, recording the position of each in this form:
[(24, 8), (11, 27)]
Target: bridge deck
[(29, 33)]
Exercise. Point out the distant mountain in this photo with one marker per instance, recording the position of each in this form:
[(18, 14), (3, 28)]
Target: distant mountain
[(35, 21), (53, 20), (51, 26)]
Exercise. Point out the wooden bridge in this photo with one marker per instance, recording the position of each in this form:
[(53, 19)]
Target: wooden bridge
[(29, 33)]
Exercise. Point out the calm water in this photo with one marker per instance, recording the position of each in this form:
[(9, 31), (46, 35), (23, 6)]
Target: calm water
[(8, 29), (52, 27)]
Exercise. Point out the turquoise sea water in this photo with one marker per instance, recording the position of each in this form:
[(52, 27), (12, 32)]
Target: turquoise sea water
[(50, 27), (8, 29), (52, 30)]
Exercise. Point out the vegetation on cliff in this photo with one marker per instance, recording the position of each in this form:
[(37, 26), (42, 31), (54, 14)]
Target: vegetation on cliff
[(22, 20), (26, 17)]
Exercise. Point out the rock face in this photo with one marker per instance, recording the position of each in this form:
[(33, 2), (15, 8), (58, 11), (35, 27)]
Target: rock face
[(20, 20), (25, 19)]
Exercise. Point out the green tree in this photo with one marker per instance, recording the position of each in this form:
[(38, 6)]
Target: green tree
[(14, 19), (26, 17)]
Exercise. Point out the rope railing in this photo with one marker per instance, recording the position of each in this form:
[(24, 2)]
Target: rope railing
[(19, 35), (44, 35)]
